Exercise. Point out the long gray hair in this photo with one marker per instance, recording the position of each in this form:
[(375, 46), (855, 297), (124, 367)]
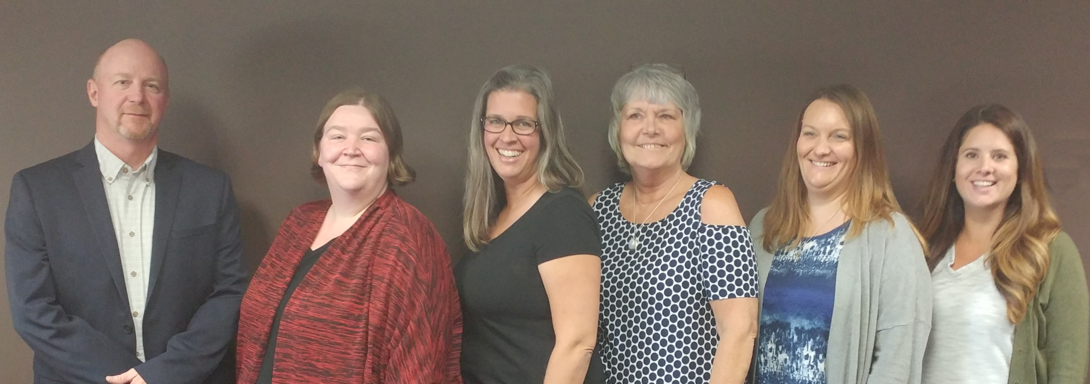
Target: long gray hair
[(556, 168)]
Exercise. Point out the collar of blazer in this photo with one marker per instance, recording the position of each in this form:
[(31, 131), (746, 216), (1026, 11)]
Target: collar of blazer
[(88, 182)]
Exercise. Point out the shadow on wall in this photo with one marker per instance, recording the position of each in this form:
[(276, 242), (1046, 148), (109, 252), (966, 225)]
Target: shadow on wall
[(190, 130), (256, 238), (278, 104), (1067, 171), (283, 95), (614, 173)]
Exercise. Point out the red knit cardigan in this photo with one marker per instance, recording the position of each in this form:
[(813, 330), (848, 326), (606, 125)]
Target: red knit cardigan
[(380, 306)]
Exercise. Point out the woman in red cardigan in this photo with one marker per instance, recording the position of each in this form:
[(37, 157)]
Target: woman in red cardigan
[(357, 288)]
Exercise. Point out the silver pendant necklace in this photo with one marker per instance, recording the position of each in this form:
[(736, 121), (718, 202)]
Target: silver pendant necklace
[(637, 233)]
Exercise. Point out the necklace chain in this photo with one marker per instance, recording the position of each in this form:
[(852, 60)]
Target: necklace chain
[(816, 229), (796, 252), (634, 242)]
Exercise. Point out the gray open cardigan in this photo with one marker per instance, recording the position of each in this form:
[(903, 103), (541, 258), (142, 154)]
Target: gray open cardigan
[(881, 308)]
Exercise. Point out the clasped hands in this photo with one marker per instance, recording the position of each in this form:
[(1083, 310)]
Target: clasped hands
[(129, 377)]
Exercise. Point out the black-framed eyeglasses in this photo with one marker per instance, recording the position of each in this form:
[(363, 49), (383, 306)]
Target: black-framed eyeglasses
[(495, 124)]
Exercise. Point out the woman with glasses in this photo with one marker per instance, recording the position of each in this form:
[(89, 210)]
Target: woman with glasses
[(679, 282), (530, 288)]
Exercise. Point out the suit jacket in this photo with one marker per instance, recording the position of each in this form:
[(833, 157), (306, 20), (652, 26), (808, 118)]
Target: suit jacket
[(67, 289)]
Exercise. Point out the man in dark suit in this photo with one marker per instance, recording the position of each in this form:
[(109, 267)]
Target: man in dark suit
[(124, 262)]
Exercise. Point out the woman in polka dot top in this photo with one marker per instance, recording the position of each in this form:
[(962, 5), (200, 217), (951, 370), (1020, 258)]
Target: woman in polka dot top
[(679, 284)]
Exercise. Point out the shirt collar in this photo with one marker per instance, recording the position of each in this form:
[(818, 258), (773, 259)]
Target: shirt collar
[(113, 167)]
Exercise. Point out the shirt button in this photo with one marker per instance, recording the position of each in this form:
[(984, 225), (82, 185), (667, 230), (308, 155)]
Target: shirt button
[(135, 314), (124, 169), (132, 234), (109, 179), (133, 274), (130, 197)]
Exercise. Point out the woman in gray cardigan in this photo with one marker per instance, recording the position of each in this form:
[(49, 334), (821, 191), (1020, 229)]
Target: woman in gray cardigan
[(1011, 302), (845, 293)]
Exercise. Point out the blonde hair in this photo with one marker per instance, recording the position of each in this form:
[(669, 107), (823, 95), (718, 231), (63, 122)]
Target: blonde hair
[(1019, 249), (869, 196), (556, 168)]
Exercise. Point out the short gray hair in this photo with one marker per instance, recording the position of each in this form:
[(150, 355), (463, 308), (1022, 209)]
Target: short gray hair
[(657, 84)]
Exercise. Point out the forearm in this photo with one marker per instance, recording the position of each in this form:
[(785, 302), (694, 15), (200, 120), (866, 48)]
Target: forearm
[(736, 324), (1066, 344), (72, 349), (569, 362), (904, 308), (196, 352), (83, 355), (573, 284), (1067, 313), (426, 348), (732, 358)]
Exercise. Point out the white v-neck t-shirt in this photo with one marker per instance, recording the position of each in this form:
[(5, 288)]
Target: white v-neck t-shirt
[(971, 339)]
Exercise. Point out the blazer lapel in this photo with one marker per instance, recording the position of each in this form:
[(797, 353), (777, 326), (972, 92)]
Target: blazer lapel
[(88, 180), (167, 184)]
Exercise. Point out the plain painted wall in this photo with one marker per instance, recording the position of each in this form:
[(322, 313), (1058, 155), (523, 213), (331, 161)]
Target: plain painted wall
[(248, 79)]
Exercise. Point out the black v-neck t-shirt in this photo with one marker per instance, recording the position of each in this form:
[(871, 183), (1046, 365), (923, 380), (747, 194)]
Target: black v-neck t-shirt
[(507, 334)]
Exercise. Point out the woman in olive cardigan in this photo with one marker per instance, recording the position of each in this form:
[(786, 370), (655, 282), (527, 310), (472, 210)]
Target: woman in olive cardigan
[(1011, 301)]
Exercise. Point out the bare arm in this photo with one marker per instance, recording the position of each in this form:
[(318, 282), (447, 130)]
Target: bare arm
[(573, 284), (736, 317), (736, 323), (720, 208)]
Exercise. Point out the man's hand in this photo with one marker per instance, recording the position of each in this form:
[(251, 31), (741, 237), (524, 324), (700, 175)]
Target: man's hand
[(129, 377)]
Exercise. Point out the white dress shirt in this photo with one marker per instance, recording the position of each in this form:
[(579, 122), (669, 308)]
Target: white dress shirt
[(131, 197)]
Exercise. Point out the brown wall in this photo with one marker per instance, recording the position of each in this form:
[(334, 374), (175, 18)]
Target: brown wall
[(249, 78)]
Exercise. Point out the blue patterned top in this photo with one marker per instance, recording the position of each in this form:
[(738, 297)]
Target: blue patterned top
[(797, 310), (657, 324)]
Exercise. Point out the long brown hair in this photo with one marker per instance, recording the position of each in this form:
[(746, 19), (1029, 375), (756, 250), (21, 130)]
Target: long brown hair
[(869, 195), (1019, 250)]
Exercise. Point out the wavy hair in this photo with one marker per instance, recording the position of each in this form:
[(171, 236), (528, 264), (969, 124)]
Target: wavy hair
[(657, 84), (556, 168), (869, 196), (1019, 249)]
